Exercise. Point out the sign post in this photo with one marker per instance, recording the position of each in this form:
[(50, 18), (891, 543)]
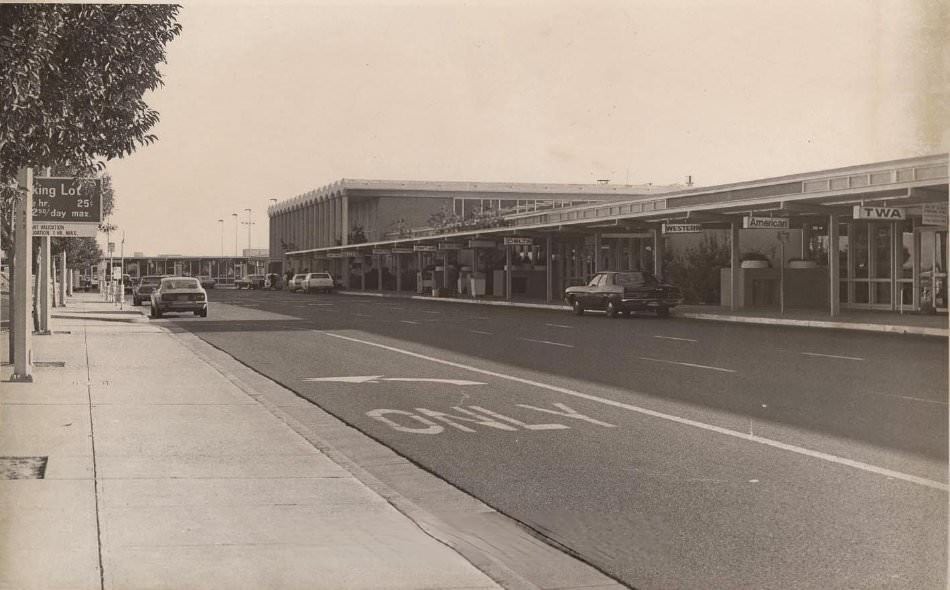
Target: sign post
[(782, 237), (23, 298)]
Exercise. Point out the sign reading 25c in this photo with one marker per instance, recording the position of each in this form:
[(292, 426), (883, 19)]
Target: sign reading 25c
[(67, 200)]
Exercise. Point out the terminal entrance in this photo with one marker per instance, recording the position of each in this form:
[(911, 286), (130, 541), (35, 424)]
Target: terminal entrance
[(892, 266)]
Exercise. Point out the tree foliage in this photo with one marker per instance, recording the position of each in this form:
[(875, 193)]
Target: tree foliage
[(696, 271), (72, 80)]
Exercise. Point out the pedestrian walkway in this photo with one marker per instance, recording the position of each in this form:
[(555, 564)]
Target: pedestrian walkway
[(860, 320), (133, 463)]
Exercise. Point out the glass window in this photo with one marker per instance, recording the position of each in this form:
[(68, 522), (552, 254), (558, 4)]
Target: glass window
[(882, 251), (595, 282), (859, 256), (882, 293), (861, 292), (905, 256), (843, 244), (842, 292)]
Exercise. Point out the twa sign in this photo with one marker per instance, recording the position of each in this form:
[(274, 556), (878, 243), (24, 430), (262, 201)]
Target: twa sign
[(889, 213)]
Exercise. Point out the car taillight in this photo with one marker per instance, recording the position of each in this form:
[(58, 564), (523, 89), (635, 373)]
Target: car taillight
[(200, 297)]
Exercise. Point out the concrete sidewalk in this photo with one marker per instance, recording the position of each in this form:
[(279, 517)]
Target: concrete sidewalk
[(161, 472), (859, 320)]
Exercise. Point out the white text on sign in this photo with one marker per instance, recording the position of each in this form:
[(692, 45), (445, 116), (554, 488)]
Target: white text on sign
[(473, 419)]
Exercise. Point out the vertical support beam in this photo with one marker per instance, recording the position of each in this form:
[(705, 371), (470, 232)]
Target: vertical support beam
[(398, 258), (345, 218), (44, 279), (658, 247), (21, 330), (549, 266), (834, 262), (508, 273), (362, 273), (597, 252), (378, 260), (733, 265), (62, 278)]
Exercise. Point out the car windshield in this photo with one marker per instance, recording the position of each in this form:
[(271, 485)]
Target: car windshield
[(299, 276), (321, 275), (633, 279), (151, 280), (180, 284)]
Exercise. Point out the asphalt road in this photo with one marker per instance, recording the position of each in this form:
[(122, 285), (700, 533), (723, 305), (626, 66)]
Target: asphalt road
[(668, 453)]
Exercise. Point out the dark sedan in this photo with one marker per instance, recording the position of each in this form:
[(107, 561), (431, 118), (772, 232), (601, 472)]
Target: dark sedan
[(619, 293)]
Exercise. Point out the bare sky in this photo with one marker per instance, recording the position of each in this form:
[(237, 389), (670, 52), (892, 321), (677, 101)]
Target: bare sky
[(274, 99)]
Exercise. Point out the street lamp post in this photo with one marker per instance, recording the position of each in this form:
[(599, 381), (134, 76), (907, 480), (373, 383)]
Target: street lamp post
[(248, 229), (235, 216), (221, 227)]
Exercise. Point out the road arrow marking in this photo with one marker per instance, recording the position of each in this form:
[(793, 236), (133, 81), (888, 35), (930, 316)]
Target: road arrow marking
[(378, 378)]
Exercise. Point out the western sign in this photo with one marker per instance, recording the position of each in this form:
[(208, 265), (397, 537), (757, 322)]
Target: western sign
[(682, 228), (886, 213), (519, 241), (765, 222), (423, 248)]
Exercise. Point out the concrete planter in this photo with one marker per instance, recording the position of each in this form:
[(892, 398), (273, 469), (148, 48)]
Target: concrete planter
[(754, 264)]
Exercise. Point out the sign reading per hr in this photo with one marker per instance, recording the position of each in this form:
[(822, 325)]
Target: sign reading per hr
[(66, 207)]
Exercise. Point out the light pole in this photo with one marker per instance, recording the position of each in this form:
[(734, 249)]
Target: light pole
[(235, 216), (221, 227), (248, 229)]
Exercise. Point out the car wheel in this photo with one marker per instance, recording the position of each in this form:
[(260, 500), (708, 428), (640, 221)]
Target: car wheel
[(577, 307), (204, 312), (612, 310), (663, 312)]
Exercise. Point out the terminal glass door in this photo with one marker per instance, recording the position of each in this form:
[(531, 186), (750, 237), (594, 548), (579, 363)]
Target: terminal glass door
[(933, 270)]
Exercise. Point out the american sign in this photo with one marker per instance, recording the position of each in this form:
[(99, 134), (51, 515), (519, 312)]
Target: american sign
[(423, 248), (402, 250), (891, 213), (450, 246), (519, 242), (751, 222), (682, 228), (334, 255)]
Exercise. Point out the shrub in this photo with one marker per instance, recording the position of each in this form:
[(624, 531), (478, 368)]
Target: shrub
[(696, 271)]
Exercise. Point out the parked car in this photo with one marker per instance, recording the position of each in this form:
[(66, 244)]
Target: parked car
[(143, 290), (319, 282), (207, 282), (296, 283), (619, 293), (179, 294)]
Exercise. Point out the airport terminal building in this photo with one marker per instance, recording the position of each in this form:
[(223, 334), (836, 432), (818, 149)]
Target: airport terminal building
[(871, 236)]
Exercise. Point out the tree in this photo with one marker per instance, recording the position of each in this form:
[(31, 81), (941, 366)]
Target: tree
[(72, 77)]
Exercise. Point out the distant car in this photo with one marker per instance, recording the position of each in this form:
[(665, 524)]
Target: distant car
[(250, 282), (319, 282), (179, 294), (619, 293), (296, 283), (143, 290), (207, 282)]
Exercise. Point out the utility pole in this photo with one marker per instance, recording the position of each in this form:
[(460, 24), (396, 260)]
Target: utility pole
[(23, 297), (221, 227), (235, 216), (249, 224)]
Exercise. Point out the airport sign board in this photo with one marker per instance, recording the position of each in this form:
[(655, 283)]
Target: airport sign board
[(886, 213), (423, 248), (450, 246), (934, 214), (349, 253), (402, 250), (381, 252), (682, 228), (752, 222), (334, 255), (481, 243), (67, 207), (512, 241)]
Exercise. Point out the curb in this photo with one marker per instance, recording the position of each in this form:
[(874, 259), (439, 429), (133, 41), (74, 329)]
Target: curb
[(822, 324)]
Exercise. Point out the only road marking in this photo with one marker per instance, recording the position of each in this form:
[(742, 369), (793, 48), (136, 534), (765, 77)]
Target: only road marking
[(694, 365), (859, 465), (547, 342)]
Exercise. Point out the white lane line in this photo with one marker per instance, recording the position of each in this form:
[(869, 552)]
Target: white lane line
[(320, 304), (558, 326), (427, 311), (675, 338), (409, 322), (834, 356), (643, 358), (908, 398), (547, 342), (663, 416), (362, 315), (480, 332)]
